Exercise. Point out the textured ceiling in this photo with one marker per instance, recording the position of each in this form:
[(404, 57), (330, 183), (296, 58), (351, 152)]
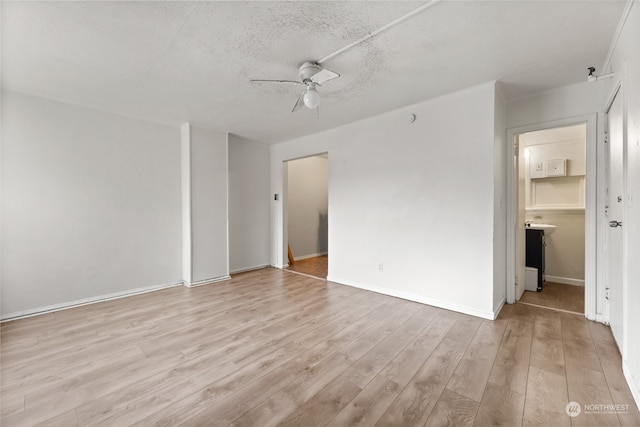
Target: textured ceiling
[(192, 61)]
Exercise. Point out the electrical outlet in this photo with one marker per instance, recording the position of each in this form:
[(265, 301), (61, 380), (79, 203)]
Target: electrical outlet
[(380, 266)]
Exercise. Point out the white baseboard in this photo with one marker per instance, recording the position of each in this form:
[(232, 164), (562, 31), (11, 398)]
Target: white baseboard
[(247, 269), (300, 258), (207, 281), (85, 301), (635, 388), (564, 280), (416, 298), (600, 318)]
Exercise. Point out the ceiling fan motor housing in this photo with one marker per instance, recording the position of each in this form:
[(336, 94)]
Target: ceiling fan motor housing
[(308, 70)]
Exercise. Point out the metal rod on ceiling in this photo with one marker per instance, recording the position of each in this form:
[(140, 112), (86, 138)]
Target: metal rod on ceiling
[(381, 29)]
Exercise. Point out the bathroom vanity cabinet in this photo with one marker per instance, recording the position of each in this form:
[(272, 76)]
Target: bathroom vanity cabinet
[(535, 253)]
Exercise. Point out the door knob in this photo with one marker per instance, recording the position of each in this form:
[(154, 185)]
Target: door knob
[(615, 224)]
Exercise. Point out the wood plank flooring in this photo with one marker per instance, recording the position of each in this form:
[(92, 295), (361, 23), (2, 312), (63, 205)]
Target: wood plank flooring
[(269, 347), (557, 295)]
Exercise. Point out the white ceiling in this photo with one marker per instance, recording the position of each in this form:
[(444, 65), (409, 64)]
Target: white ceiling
[(192, 61)]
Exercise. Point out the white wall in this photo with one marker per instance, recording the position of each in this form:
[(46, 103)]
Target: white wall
[(90, 204), (307, 206), (562, 103), (249, 203), (208, 205), (625, 64), (417, 198)]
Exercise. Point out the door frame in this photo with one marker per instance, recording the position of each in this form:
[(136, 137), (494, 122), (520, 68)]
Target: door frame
[(594, 297), (283, 218)]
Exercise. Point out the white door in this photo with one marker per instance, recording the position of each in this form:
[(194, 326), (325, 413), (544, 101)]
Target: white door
[(615, 204)]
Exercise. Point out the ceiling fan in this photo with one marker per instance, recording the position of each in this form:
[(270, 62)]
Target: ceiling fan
[(311, 75)]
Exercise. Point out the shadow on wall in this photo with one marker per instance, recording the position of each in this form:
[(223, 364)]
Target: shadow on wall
[(323, 232)]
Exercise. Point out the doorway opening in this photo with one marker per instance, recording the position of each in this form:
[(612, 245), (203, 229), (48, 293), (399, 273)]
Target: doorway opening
[(306, 185), (552, 216), (551, 179)]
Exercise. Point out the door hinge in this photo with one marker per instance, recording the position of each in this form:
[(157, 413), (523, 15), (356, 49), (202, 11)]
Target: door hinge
[(607, 293)]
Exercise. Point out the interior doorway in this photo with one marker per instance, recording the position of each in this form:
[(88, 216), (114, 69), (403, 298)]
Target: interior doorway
[(307, 214), (551, 177), (552, 200)]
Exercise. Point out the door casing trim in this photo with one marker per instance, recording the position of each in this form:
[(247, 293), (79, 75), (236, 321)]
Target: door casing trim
[(594, 297)]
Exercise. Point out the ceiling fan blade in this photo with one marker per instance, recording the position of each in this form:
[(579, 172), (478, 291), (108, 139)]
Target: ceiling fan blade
[(276, 81), (299, 102), (324, 75)]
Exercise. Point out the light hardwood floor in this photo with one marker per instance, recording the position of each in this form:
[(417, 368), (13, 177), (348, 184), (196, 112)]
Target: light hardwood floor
[(316, 266), (272, 347), (557, 295)]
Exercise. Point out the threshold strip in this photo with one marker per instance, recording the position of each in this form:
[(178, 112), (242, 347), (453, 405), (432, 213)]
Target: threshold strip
[(550, 308), (304, 274)]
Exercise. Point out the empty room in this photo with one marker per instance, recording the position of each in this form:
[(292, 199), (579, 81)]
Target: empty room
[(312, 213)]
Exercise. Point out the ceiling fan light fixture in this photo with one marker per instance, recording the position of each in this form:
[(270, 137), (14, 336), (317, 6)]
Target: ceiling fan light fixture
[(311, 98), (311, 76)]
